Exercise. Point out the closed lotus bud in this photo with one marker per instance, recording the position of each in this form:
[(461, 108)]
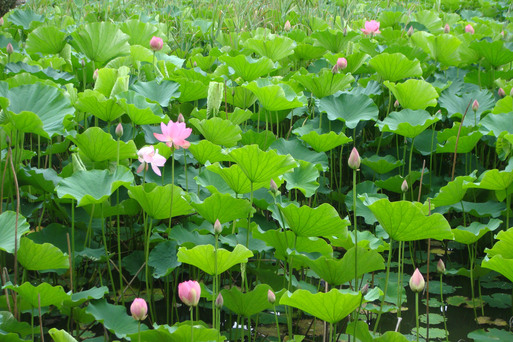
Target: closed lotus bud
[(139, 309), (469, 29), (273, 187), (404, 186), (156, 43), (417, 282), (365, 289), (95, 75), (354, 159), (341, 63), (9, 49), (219, 301), (119, 130), (475, 106), (396, 104), (287, 26), (410, 31), (180, 118), (82, 62), (447, 28), (440, 266), (511, 92), (218, 228), (502, 34), (2, 21), (501, 92), (271, 297)]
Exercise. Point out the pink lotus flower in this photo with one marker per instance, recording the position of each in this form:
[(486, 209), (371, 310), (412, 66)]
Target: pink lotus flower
[(469, 29), (371, 27), (156, 43), (148, 155), (189, 292), (174, 134), (139, 309)]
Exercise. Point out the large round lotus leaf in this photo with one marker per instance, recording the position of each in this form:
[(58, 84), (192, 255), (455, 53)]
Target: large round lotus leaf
[(202, 257), (49, 295), (46, 40), (408, 123), (162, 92), (205, 151), (500, 264), (224, 208), (442, 48), (192, 90), (249, 303), (25, 18), (493, 180), (430, 19), (41, 257), (248, 68), (36, 108), (9, 222), (395, 67), (495, 124), (275, 97), (333, 40), (414, 94), (494, 52), (49, 73), (331, 307), (236, 179), (94, 102), (472, 233), (349, 108), (382, 165), (503, 246), (276, 48), (325, 142), (299, 151), (218, 131), (100, 41), (140, 33), (114, 318), (156, 200), (61, 335), (304, 178), (324, 83), (457, 105), (140, 110), (163, 258), (305, 51), (263, 139), (406, 221), (453, 192)]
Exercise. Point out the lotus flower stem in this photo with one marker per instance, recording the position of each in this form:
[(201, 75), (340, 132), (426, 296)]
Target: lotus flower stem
[(355, 233), (277, 324), (172, 185), (73, 241), (417, 313), (192, 323), (107, 253), (399, 278), (386, 285), (472, 257), (443, 307), (147, 235), (409, 168)]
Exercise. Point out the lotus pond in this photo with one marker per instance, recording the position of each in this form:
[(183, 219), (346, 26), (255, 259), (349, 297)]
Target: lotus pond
[(301, 170)]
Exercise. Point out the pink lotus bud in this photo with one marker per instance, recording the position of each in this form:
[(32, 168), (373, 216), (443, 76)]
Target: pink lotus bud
[(417, 282), (271, 297), (189, 292), (139, 309), (119, 130), (156, 43), (440, 266), (404, 186), (396, 104), (511, 92), (273, 187), (194, 64), (82, 62), (410, 31), (9, 49), (501, 92), (341, 63), (180, 118), (354, 159), (219, 301), (95, 75), (2, 21), (475, 106), (469, 29), (218, 228), (502, 34), (365, 289), (287, 26), (447, 28)]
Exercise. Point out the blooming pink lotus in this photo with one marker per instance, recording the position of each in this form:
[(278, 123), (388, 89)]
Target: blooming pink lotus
[(174, 134), (189, 292), (148, 155), (371, 27)]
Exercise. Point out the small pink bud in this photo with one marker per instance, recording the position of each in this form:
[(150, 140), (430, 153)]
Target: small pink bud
[(404, 186), (475, 106), (396, 104), (365, 289), (502, 34), (189, 292), (447, 28), (501, 92), (440, 266), (287, 26), (219, 301), (410, 31), (218, 228), (271, 297), (194, 64), (273, 187), (180, 118), (2, 21), (354, 159), (156, 43), (9, 49), (119, 130), (469, 29), (417, 282), (95, 75), (82, 62), (341, 63), (511, 92), (139, 309)]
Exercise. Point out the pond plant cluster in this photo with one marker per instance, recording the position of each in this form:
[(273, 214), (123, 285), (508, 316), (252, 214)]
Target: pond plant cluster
[(256, 170)]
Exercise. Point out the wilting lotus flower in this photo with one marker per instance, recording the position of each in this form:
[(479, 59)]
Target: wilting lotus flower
[(469, 29), (156, 43), (354, 159), (139, 309), (189, 292), (371, 27), (148, 155), (417, 282), (174, 134)]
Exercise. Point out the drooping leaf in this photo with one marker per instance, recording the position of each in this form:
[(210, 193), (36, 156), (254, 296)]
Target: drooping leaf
[(248, 68), (156, 200), (41, 257), (503, 245), (453, 192), (218, 131), (224, 208), (114, 318), (474, 231), (275, 97), (97, 145), (304, 178), (324, 83), (8, 223), (408, 123), (442, 48), (500, 265), (202, 257), (249, 303)]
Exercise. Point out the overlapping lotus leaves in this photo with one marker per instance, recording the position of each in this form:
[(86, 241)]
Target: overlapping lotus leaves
[(205, 151), (504, 105), (224, 208), (382, 165), (49, 295), (503, 245), (349, 108), (493, 180), (248, 68), (324, 83), (472, 233), (333, 40), (430, 19), (249, 303), (49, 73), (179, 332), (140, 33), (331, 307), (140, 110), (496, 124), (306, 51), (202, 257), (94, 102), (41, 257), (354, 61), (408, 123), (113, 317), (100, 41), (240, 97), (236, 179), (406, 221), (457, 105), (304, 178), (442, 48), (35, 108), (276, 47), (9, 223), (111, 82), (414, 94), (494, 52), (499, 264), (163, 258), (395, 67), (218, 131), (264, 139), (46, 40), (325, 142), (275, 97), (25, 18), (156, 200), (468, 138), (453, 192)]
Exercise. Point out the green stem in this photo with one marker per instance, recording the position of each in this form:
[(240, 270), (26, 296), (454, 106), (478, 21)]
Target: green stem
[(355, 231), (73, 242), (277, 324), (399, 279), (146, 257), (172, 186), (139, 331), (192, 323), (443, 308), (471, 257), (249, 215), (107, 253), (386, 285), (417, 313)]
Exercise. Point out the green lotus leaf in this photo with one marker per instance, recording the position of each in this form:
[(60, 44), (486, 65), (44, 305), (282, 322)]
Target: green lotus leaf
[(224, 208), (304, 178), (395, 67), (49, 295), (333, 40), (36, 108), (406, 221), (414, 94), (100, 41), (496, 124), (321, 221), (163, 258), (324, 83), (61, 336), (41, 257), (442, 48), (472, 233), (156, 200), (456, 105), (11, 328), (248, 68), (490, 335), (49, 73), (161, 92), (46, 40), (453, 192), (493, 180), (499, 264), (114, 318), (468, 138), (263, 139), (43, 179), (408, 123), (494, 52), (218, 131), (9, 222), (178, 333), (238, 116), (95, 186), (140, 33), (503, 246), (354, 61), (382, 165), (331, 307), (205, 151), (275, 97), (235, 178), (260, 166), (25, 18), (240, 97), (111, 82), (504, 105), (305, 52), (325, 142), (276, 48), (349, 108), (394, 183), (140, 110), (192, 90), (299, 151), (430, 19), (94, 102), (247, 304), (203, 257)]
